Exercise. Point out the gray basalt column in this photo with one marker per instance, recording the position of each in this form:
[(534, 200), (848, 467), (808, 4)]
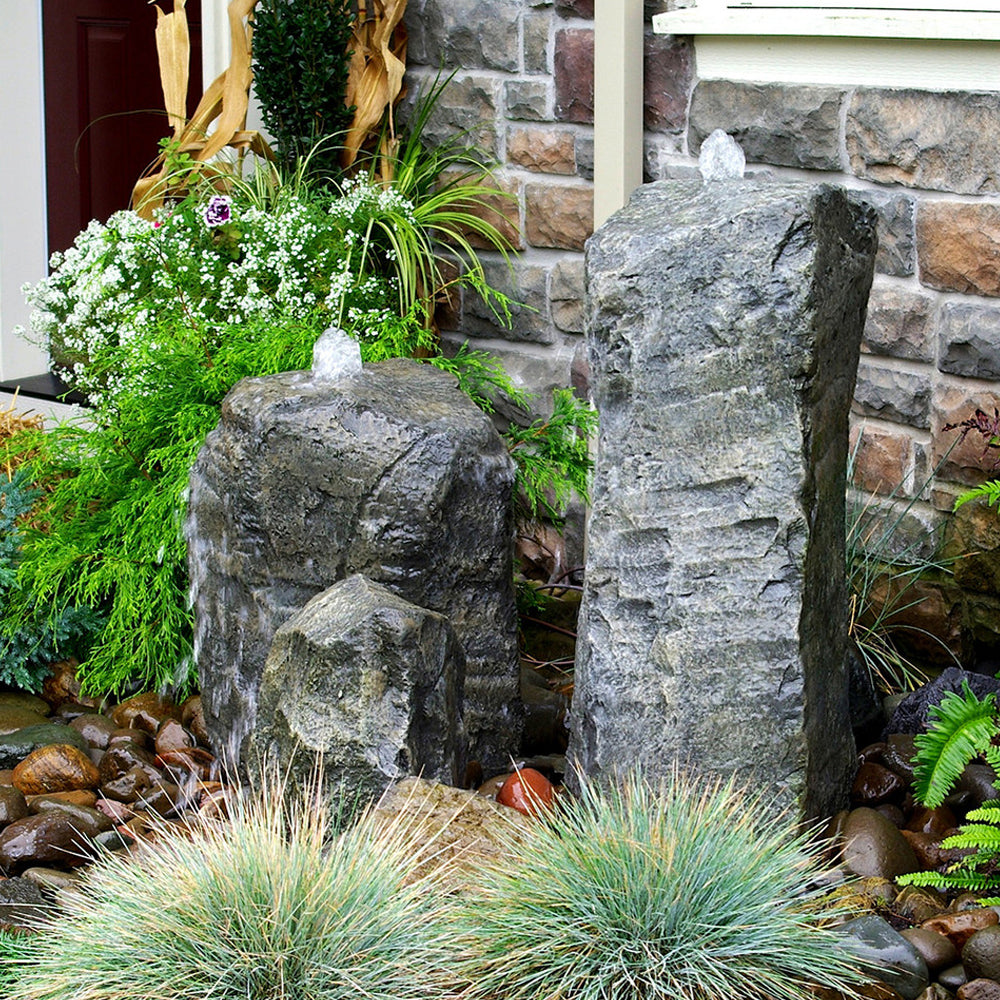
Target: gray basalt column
[(724, 325)]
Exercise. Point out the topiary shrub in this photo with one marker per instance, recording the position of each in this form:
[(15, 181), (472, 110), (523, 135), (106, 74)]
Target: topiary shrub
[(301, 56)]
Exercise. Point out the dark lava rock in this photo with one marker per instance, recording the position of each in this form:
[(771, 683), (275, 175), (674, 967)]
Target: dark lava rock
[(16, 746), (911, 713), (22, 904)]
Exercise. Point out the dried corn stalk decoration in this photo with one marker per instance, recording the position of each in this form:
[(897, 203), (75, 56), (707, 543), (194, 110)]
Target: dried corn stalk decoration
[(375, 78), (374, 87), (225, 102)]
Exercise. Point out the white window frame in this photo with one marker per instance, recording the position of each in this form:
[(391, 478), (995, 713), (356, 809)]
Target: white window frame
[(892, 19)]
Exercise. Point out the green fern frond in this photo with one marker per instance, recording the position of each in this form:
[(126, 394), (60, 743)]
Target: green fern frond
[(961, 880), (962, 727), (979, 836), (990, 492), (988, 812)]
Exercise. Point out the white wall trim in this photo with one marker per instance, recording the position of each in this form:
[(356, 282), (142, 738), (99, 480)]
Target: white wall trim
[(617, 104)]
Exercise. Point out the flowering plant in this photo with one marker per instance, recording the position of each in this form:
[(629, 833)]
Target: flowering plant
[(214, 264)]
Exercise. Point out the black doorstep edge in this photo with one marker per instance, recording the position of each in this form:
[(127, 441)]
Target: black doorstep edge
[(46, 386)]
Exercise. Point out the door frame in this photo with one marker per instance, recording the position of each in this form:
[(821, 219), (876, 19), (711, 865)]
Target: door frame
[(23, 215)]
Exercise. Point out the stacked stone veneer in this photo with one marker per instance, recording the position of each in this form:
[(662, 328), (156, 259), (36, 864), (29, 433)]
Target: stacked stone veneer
[(929, 162)]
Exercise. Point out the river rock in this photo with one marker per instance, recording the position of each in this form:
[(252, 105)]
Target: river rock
[(979, 989), (123, 757), (366, 681), (872, 846), (173, 736), (13, 718), (12, 805), (95, 729), (935, 949), (959, 927), (16, 746), (887, 955), (981, 954), (724, 328), (55, 768), (144, 711), (394, 474), (87, 820), (48, 839), (874, 784)]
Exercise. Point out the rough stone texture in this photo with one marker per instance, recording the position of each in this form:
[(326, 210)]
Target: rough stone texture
[(897, 249), (958, 246), (574, 75), (367, 683), (585, 156), (526, 284), (543, 150), (669, 73), (975, 538), (396, 475), (502, 210), (467, 105), (940, 141), (724, 324), (902, 397), (566, 294), (784, 125), (535, 43), (575, 8), (967, 461), (898, 324), (528, 100), (969, 340), (450, 33), (466, 829), (910, 715), (560, 216), (882, 462)]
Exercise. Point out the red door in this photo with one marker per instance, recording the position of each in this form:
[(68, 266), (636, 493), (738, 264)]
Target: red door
[(103, 105)]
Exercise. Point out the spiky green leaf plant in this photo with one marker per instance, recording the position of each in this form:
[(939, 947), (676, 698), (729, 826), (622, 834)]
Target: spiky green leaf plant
[(686, 891), (962, 728), (273, 904)]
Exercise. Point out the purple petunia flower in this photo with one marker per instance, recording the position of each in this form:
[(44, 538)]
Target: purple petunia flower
[(218, 211)]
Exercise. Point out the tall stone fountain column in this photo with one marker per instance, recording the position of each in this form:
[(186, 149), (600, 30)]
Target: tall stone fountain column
[(724, 324)]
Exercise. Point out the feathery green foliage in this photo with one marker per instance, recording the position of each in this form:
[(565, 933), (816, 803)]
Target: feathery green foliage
[(273, 904), (41, 637), (553, 454), (988, 491), (682, 892), (962, 728), (300, 54)]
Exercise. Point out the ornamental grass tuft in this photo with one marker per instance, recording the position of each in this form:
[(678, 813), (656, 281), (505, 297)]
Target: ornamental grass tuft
[(688, 891), (274, 904)]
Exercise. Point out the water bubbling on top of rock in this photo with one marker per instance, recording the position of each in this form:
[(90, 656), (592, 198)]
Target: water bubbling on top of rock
[(335, 356)]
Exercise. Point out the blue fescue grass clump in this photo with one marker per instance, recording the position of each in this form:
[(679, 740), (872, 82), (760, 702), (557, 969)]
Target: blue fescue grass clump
[(274, 904), (686, 891)]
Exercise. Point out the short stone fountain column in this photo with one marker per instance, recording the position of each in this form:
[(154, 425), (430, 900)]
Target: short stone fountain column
[(724, 324)]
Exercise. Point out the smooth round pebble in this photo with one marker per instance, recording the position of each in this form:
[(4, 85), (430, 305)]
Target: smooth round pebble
[(981, 954), (935, 949), (874, 847), (56, 768)]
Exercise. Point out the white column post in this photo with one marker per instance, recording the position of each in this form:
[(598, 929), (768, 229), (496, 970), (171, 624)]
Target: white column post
[(617, 104)]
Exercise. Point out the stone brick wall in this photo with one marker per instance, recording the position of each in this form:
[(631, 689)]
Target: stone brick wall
[(927, 161)]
